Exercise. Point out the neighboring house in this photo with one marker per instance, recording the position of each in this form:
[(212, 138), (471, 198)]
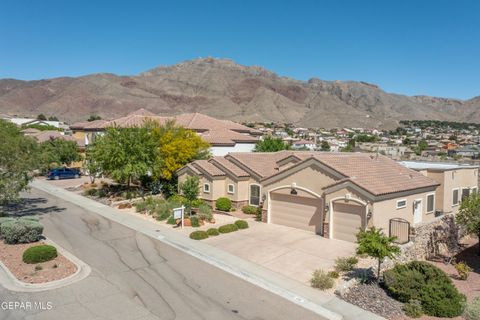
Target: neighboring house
[(30, 121), (331, 194), (304, 145), (456, 182), (47, 135), (467, 152), (224, 136)]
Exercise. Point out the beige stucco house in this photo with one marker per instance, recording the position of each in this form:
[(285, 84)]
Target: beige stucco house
[(333, 194)]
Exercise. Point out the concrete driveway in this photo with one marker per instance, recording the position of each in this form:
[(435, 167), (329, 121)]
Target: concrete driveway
[(291, 252)]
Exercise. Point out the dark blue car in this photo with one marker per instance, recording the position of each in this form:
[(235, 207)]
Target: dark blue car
[(63, 173)]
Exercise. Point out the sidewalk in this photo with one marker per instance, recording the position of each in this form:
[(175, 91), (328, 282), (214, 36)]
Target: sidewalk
[(325, 305)]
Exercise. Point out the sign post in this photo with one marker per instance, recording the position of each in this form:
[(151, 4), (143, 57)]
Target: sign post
[(178, 213)]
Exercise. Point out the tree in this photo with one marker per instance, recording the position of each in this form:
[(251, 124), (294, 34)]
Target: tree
[(52, 118), (374, 243), (468, 215), (94, 117), (325, 146), (58, 151), (175, 147), (271, 144), (18, 157), (190, 189), (407, 141), (41, 116)]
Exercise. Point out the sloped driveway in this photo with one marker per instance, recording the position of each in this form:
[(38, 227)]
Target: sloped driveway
[(291, 252)]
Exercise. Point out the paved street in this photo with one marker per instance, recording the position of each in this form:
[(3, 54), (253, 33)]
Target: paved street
[(136, 277)]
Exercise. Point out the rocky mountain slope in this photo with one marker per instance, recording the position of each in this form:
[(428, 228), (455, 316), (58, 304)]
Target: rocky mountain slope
[(224, 89)]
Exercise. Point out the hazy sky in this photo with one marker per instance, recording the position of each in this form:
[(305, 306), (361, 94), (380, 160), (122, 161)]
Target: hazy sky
[(409, 47)]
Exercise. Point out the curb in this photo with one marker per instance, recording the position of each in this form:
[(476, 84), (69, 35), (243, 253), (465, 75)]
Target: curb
[(10, 282), (326, 306)]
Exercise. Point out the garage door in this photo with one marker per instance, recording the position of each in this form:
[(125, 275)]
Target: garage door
[(297, 212), (347, 220)]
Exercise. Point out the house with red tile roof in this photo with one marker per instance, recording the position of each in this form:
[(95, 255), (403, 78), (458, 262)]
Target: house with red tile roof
[(224, 136), (327, 193)]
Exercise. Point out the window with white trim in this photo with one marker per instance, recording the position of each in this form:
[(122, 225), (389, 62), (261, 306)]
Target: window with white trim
[(430, 203), (254, 195), (465, 193), (401, 203), (231, 188), (206, 188), (474, 189), (454, 197)]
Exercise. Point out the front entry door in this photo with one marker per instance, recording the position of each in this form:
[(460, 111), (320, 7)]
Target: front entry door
[(417, 211)]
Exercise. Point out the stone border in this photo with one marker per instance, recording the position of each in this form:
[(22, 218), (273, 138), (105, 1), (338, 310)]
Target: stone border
[(10, 282)]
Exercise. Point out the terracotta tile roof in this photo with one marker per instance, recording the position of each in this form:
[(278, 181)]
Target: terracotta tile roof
[(208, 168), (142, 112), (226, 137), (30, 131), (224, 164), (48, 135), (264, 164)]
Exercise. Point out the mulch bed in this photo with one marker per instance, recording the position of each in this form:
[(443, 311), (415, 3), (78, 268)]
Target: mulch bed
[(56, 269)]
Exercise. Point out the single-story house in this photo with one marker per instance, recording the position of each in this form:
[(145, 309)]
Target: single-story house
[(224, 136), (330, 194), (304, 144)]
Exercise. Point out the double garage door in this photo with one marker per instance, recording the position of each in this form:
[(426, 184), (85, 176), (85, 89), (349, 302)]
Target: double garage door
[(296, 212), (306, 214)]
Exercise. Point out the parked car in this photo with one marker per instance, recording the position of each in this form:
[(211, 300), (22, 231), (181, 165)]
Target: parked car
[(63, 173)]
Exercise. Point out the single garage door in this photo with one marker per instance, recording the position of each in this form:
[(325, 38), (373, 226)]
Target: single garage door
[(347, 220), (296, 212)]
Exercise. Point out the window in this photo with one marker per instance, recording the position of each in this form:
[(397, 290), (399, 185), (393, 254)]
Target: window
[(465, 193), (474, 189), (254, 195), (455, 197), (231, 188), (430, 203), (401, 203), (206, 188)]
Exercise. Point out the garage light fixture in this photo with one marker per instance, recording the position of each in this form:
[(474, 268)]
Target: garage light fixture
[(293, 191)]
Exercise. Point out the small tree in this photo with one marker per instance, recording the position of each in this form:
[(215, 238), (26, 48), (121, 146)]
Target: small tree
[(374, 243), (271, 144), (325, 146), (52, 118), (469, 215), (94, 117), (190, 189), (41, 116)]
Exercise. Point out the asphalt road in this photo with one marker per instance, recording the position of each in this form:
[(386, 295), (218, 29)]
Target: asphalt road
[(136, 277)]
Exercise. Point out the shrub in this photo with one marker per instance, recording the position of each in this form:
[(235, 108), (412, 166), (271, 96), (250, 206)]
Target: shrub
[(205, 212), (197, 203), (241, 224), (463, 270), (171, 220), (321, 280), (223, 204), (38, 267), (249, 209), (90, 192), (333, 274), (227, 228), (163, 209), (472, 310), (213, 232), (4, 220), (345, 264), (195, 222), (413, 309), (140, 206), (21, 231), (39, 253), (426, 283), (102, 193), (178, 199), (198, 235)]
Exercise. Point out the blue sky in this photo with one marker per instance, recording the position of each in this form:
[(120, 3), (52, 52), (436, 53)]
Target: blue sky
[(408, 47)]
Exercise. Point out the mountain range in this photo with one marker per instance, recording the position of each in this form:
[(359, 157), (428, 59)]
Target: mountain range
[(227, 90)]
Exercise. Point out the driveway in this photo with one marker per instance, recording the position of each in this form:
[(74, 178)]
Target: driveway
[(291, 252)]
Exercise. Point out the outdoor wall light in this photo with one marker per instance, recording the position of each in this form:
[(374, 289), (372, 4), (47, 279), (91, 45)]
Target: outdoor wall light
[(369, 214), (294, 192), (327, 207)]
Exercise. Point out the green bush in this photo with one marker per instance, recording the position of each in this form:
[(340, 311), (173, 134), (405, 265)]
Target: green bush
[(241, 224), (258, 215), (163, 209), (5, 219), (333, 274), (171, 220), (213, 232), (413, 309), (205, 212), (140, 206), (249, 209), (39, 253), (422, 281), (463, 270), (21, 231), (92, 192), (195, 222), (197, 203), (223, 204), (321, 280), (198, 235), (178, 199), (345, 264), (472, 310), (227, 228)]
